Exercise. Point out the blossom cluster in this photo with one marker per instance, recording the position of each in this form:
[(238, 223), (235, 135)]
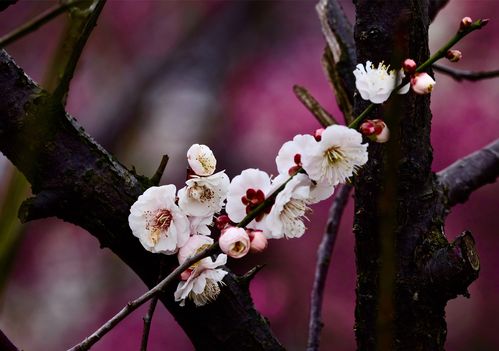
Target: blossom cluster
[(181, 222)]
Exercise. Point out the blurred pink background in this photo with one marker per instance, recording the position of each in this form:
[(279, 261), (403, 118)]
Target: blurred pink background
[(158, 76)]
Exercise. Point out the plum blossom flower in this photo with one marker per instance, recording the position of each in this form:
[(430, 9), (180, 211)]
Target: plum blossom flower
[(376, 130), (199, 224), (194, 245), (201, 160), (203, 196), (376, 84), (289, 157), (158, 222), (422, 83), (286, 217), (203, 284), (337, 156), (246, 192), (234, 242)]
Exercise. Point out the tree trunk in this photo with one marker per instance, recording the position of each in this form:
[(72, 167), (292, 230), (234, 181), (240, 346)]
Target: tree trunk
[(406, 268)]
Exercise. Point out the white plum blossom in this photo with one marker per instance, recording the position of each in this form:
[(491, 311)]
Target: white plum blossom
[(234, 242), (377, 84), (203, 284), (204, 196), (199, 225), (289, 157), (201, 160), (337, 157), (158, 222), (246, 192), (286, 217), (194, 245)]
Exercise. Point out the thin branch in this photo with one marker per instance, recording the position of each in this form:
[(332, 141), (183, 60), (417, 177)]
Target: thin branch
[(156, 178), (324, 117), (323, 259), (470, 173), (435, 6), (90, 21), (37, 22), (6, 344), (459, 74), (133, 305)]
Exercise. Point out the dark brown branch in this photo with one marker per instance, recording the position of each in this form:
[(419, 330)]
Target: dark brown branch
[(323, 259), (156, 178), (55, 154), (340, 58), (470, 173), (435, 6), (6, 3), (6, 344), (147, 323), (324, 117), (459, 74)]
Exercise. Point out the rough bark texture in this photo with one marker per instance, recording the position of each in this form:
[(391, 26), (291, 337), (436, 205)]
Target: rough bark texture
[(406, 268), (74, 179)]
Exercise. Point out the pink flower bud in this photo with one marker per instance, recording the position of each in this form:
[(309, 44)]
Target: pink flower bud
[(318, 134), (409, 66), (465, 23), (234, 242), (376, 130), (454, 55), (222, 221), (258, 241), (185, 274), (422, 83)]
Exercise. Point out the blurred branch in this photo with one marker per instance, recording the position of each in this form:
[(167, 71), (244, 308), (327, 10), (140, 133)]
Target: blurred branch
[(156, 178), (460, 75), (82, 23), (340, 57), (470, 173), (133, 305), (37, 22), (324, 117), (6, 344), (6, 3), (434, 8), (323, 260)]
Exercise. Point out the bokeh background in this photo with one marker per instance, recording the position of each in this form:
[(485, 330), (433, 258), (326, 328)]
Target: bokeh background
[(158, 76)]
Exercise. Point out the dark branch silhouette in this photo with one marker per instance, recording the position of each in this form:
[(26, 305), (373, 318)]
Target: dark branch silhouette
[(459, 74), (470, 173)]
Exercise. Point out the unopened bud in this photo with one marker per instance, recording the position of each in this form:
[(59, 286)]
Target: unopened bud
[(258, 241), (453, 55), (234, 242), (465, 23), (318, 134), (376, 130), (185, 274), (422, 83), (409, 66), (222, 221)]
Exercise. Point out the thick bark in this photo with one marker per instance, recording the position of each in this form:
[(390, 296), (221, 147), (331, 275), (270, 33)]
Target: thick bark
[(76, 180), (406, 269)]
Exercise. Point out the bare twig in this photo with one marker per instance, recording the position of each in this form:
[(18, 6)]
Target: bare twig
[(6, 344), (133, 305), (435, 6), (156, 178), (36, 22), (459, 74), (470, 173), (324, 117), (323, 259), (61, 91)]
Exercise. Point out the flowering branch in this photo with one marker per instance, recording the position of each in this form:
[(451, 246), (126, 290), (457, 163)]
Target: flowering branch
[(133, 305), (324, 117), (460, 75), (470, 173), (323, 259), (37, 22), (461, 33)]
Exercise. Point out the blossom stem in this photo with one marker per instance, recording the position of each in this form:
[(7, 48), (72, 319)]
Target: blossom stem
[(267, 202), (355, 123), (479, 24)]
